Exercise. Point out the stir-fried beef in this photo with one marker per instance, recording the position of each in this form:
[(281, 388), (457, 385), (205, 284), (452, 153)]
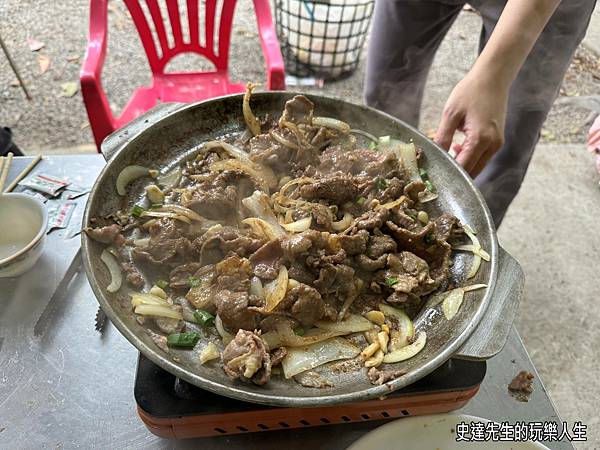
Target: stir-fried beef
[(246, 358), (304, 304), (214, 245), (266, 261), (106, 235), (368, 239), (337, 188)]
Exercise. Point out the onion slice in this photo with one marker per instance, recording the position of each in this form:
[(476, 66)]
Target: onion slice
[(128, 174), (249, 117), (143, 298), (235, 164), (352, 324), (168, 215), (454, 298), (288, 338), (116, 278), (225, 335), (299, 225), (407, 352), (262, 228), (344, 223), (181, 210), (259, 206), (405, 329), (158, 311), (209, 353), (301, 359), (170, 179), (330, 122), (275, 290)]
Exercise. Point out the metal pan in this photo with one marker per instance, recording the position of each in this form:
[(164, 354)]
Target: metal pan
[(169, 133)]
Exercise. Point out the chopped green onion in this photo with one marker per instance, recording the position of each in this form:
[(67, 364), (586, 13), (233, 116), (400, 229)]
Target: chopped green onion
[(163, 284), (204, 318), (361, 200), (382, 183), (410, 213), (137, 211), (193, 281), (372, 145), (391, 281), (187, 340), (299, 331), (430, 187), (424, 174)]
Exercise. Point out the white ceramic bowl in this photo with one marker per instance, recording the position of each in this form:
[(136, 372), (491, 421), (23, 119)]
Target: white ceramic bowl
[(23, 222)]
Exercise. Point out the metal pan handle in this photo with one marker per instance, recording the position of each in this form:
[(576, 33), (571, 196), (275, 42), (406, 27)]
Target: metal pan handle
[(114, 142), (491, 334)]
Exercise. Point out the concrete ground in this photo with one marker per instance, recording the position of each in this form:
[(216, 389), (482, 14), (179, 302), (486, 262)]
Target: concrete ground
[(551, 228)]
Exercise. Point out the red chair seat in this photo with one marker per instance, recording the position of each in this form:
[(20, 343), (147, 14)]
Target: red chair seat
[(178, 87)]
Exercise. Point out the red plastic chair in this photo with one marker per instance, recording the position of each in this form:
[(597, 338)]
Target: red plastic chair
[(172, 87)]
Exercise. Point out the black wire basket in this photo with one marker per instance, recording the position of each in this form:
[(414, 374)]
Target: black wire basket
[(322, 38)]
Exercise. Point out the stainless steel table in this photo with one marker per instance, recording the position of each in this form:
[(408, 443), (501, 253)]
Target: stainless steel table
[(63, 385)]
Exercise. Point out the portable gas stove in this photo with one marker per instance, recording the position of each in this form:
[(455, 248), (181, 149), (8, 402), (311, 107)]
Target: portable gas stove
[(173, 408)]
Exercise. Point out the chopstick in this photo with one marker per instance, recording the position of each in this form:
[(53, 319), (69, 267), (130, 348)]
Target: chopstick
[(5, 169), (23, 174)]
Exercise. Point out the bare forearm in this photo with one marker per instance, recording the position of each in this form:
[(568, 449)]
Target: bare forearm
[(516, 32)]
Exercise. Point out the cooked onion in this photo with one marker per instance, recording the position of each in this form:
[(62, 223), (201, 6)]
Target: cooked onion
[(154, 194), (391, 205), (352, 324), (116, 278), (127, 175), (262, 228), (256, 288), (234, 164), (408, 153), (344, 223), (168, 215), (290, 339), (478, 252), (209, 353), (272, 339), (301, 359), (299, 225), (143, 298), (225, 335), (265, 172), (454, 298), (330, 122), (158, 311), (170, 179), (275, 290), (249, 117), (159, 292), (407, 352), (259, 206), (285, 142), (405, 329), (181, 210)]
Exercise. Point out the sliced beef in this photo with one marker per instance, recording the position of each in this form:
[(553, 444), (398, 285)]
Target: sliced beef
[(445, 226), (413, 188), (133, 275), (379, 245), (265, 150), (168, 325), (167, 245), (322, 217), (407, 271), (298, 110), (337, 188), (335, 279), (370, 265), (367, 162), (232, 307), (373, 219), (233, 274), (393, 189), (247, 359), (277, 356), (296, 244), (304, 303), (180, 275), (110, 234), (521, 385), (378, 377), (354, 244), (299, 272), (266, 261), (214, 245)]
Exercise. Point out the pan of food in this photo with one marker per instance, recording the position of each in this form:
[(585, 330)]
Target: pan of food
[(294, 250)]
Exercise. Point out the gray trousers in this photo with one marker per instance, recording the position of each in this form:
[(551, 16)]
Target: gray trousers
[(404, 39)]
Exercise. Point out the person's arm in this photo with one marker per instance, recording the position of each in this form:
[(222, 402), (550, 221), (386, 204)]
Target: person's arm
[(477, 105)]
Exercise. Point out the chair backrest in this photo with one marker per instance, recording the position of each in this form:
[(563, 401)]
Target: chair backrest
[(205, 36)]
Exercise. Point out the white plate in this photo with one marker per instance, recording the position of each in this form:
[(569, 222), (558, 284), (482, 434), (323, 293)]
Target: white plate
[(431, 433)]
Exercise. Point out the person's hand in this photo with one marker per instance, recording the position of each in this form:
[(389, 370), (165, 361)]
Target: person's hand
[(476, 107)]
